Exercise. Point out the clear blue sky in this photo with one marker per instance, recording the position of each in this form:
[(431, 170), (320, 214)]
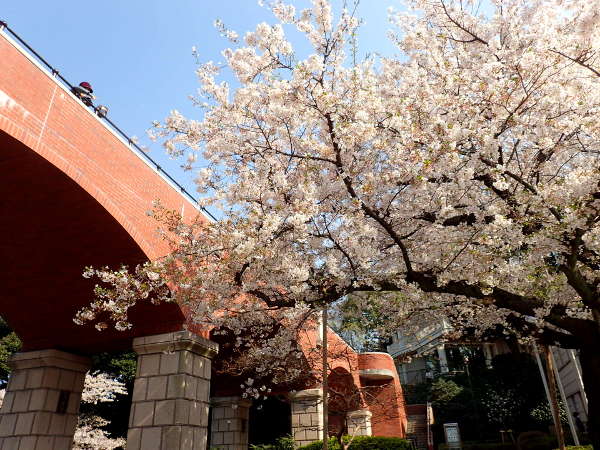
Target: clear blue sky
[(137, 53)]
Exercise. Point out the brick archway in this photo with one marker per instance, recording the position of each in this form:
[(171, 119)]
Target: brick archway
[(51, 229), (74, 194)]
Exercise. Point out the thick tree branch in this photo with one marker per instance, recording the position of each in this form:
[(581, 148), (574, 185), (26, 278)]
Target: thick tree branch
[(581, 60)]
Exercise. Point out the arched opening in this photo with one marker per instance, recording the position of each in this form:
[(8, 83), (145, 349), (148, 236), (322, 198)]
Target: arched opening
[(344, 397), (51, 230), (269, 420)]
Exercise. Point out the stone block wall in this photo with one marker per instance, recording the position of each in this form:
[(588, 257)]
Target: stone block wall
[(42, 398), (359, 423), (307, 416), (171, 392), (229, 423)]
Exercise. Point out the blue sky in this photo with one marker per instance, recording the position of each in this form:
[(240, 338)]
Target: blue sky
[(137, 53)]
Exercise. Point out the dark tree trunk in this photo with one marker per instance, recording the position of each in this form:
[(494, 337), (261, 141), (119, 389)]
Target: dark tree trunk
[(325, 360), (590, 368)]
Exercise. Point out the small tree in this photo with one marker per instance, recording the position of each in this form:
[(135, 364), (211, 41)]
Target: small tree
[(99, 388)]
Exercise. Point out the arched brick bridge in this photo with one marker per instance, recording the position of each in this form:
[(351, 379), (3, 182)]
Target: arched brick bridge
[(75, 194)]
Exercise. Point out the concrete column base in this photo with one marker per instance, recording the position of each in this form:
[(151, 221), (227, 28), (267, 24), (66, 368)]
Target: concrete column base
[(41, 403), (229, 424), (359, 422), (171, 392), (307, 416)]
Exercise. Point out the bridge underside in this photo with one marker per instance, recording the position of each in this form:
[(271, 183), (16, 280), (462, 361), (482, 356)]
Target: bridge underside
[(50, 230)]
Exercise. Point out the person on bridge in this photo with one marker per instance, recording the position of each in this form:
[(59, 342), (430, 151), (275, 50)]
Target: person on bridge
[(101, 111), (85, 93)]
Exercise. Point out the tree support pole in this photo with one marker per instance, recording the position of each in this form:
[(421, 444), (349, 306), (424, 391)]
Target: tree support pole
[(543, 375), (564, 399), (575, 363), (325, 384), (553, 398)]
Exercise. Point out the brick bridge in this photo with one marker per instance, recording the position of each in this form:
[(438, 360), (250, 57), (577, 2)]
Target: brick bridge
[(75, 193)]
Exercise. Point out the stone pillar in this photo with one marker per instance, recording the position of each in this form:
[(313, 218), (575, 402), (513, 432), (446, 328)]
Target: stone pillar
[(441, 351), (171, 392), (42, 400), (307, 416), (229, 424), (359, 422)]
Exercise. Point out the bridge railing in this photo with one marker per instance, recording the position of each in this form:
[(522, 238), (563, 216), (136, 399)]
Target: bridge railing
[(55, 73)]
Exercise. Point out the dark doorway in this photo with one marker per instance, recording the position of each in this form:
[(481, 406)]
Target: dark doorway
[(270, 419)]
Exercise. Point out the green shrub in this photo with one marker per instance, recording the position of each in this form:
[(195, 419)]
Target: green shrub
[(283, 443), (536, 440), (483, 446), (363, 443), (318, 445), (579, 447)]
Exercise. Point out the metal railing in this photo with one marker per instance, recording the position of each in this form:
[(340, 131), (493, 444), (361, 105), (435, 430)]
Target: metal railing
[(130, 141)]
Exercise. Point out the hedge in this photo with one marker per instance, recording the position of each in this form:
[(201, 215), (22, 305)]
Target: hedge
[(282, 443), (580, 447), (545, 444), (364, 443), (483, 446)]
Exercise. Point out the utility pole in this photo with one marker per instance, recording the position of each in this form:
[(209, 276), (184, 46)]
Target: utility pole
[(325, 384)]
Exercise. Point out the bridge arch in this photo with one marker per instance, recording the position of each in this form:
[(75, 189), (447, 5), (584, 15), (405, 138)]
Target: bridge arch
[(74, 194)]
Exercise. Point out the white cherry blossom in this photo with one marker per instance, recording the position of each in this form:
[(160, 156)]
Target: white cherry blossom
[(461, 178)]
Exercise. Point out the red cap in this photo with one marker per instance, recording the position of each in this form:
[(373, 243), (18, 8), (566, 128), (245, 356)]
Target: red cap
[(86, 85)]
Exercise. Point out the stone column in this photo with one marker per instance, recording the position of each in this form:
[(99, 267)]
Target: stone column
[(229, 424), (359, 422), (171, 392), (42, 400), (307, 416)]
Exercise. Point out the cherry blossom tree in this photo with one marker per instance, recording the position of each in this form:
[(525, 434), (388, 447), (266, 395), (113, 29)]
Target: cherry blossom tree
[(460, 178), (99, 387)]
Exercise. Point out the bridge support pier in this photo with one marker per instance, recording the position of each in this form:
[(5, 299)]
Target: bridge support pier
[(229, 424), (307, 416), (41, 402), (359, 422), (171, 392)]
